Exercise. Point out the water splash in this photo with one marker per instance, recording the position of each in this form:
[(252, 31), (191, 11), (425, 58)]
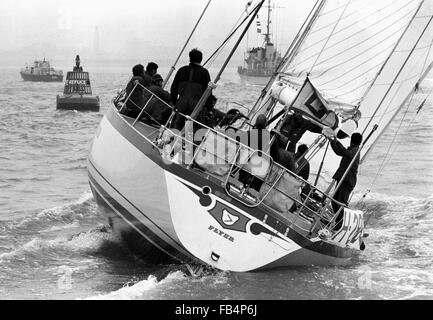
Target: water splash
[(137, 290)]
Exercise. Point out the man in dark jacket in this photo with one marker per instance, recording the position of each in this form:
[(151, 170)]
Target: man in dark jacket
[(294, 128), (151, 70), (135, 91), (303, 166), (188, 86), (157, 110), (343, 193)]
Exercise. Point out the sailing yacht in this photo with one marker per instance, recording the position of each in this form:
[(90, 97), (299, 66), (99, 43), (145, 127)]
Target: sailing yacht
[(261, 62), (179, 196)]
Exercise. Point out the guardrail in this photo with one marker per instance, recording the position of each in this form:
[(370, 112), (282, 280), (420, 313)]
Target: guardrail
[(307, 202)]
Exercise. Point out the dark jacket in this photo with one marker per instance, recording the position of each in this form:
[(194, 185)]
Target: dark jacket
[(303, 169), (294, 128), (347, 156), (285, 158), (188, 86), (156, 109), (136, 96), (147, 79)]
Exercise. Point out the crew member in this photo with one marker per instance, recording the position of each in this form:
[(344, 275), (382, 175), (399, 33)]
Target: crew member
[(151, 70), (135, 92), (158, 109), (293, 129), (188, 86), (347, 155)]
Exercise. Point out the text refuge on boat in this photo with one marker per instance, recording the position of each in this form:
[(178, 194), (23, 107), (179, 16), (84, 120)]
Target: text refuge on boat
[(77, 94)]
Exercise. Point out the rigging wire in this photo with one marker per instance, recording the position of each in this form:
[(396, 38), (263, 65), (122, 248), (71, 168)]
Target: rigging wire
[(292, 49), (399, 73), (235, 28), (275, 27), (387, 158), (370, 87), (288, 57), (362, 20), (363, 42), (353, 46), (415, 91), (389, 154), (217, 52), (339, 53), (318, 83), (330, 36), (371, 47)]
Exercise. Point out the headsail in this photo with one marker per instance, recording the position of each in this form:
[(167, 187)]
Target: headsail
[(409, 63), (348, 45), (365, 56)]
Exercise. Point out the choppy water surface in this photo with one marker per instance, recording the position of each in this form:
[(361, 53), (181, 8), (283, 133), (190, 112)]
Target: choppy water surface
[(54, 244)]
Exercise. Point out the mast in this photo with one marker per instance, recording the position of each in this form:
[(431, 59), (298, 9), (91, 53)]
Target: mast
[(291, 52), (268, 31), (184, 47), (297, 45), (212, 85)]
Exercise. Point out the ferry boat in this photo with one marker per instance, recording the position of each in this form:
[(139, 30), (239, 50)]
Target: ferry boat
[(77, 93), (178, 196), (261, 62), (41, 71)]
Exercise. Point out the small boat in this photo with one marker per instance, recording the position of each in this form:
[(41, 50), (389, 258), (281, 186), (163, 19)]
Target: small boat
[(261, 62), (77, 94), (179, 196), (41, 71)]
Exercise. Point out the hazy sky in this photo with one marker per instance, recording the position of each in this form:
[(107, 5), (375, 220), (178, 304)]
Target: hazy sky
[(37, 25)]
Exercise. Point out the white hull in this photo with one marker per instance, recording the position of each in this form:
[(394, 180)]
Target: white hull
[(166, 208)]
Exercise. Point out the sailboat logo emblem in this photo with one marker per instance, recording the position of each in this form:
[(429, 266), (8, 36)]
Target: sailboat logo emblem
[(229, 219)]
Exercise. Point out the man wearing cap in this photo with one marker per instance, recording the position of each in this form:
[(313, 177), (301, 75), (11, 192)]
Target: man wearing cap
[(157, 111), (135, 91)]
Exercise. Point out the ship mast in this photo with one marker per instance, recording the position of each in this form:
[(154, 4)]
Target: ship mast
[(268, 30)]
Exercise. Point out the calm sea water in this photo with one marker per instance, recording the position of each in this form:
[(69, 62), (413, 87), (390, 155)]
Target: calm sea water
[(54, 244)]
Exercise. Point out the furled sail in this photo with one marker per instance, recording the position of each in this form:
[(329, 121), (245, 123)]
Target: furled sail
[(362, 56)]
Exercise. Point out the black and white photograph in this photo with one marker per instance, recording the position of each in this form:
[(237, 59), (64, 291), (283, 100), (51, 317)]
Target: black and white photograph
[(228, 151)]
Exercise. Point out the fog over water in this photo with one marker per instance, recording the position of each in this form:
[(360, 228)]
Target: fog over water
[(130, 29)]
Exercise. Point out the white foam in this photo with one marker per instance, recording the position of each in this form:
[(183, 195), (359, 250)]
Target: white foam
[(31, 246), (85, 197), (90, 240), (138, 289), (85, 265), (57, 212), (72, 225)]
